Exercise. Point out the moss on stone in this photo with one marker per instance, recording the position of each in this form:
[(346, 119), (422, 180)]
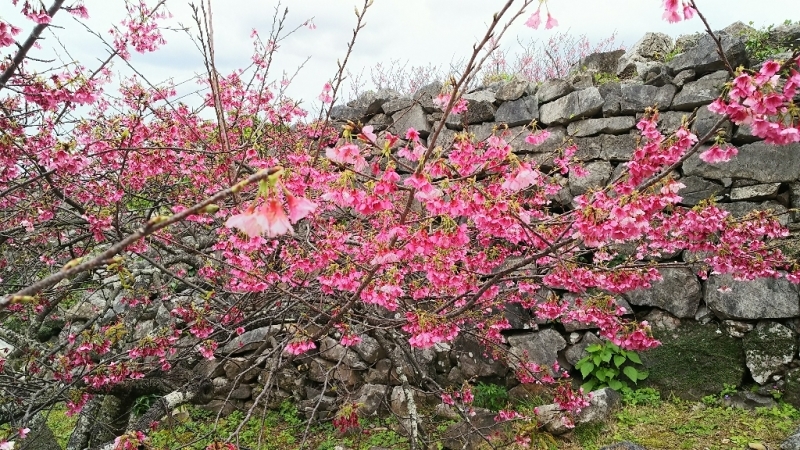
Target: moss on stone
[(694, 361)]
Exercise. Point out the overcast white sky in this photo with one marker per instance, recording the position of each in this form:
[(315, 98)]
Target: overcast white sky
[(420, 31)]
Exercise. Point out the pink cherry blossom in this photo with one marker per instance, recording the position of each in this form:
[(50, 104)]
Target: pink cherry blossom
[(719, 153), (535, 19), (299, 207)]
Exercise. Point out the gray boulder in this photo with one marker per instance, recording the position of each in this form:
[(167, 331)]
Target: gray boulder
[(551, 90), (518, 112), (512, 90), (698, 189), (756, 161), (540, 347), (679, 292), (599, 173), (767, 348), (608, 125), (700, 92), (574, 106), (413, 117), (650, 47), (703, 57), (762, 298), (638, 97)]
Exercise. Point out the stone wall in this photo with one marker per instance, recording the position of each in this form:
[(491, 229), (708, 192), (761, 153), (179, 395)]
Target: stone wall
[(744, 334)]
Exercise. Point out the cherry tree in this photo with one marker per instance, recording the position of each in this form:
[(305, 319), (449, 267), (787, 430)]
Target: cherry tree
[(262, 216)]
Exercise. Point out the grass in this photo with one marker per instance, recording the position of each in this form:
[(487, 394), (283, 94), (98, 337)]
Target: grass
[(643, 418)]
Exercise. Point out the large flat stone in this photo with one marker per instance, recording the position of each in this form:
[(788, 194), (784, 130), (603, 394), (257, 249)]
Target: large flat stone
[(757, 161)]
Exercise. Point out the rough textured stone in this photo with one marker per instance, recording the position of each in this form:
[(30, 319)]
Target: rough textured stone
[(609, 125), (247, 341), (748, 299), (471, 359), (413, 117), (601, 405), (370, 399), (698, 189), (343, 112), (755, 192), (612, 96), (618, 148), (700, 92), (703, 57), (741, 209), (576, 352), (683, 77), (518, 112), (551, 90), (756, 161), (638, 97), (705, 120), (572, 107), (599, 62), (398, 104), (767, 349), (748, 400), (372, 101), (599, 173), (650, 47), (426, 94), (679, 293), (512, 90), (335, 352), (369, 349), (477, 111), (540, 347), (693, 361)]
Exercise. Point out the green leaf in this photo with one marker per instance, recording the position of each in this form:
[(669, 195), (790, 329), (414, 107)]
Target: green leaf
[(586, 369), (631, 373), (594, 348), (597, 360), (619, 360), (616, 384), (607, 356), (633, 356), (587, 387), (643, 374), (600, 374)]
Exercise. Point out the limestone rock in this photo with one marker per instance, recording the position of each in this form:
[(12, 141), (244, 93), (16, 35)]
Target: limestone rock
[(700, 92), (554, 89), (572, 107), (638, 97), (539, 347), (703, 57), (609, 125), (767, 349), (599, 173), (678, 292), (650, 47), (746, 299), (518, 112), (756, 161)]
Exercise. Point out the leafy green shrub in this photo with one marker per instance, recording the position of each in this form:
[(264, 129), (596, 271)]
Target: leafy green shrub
[(759, 45), (605, 365), (604, 77), (490, 396)]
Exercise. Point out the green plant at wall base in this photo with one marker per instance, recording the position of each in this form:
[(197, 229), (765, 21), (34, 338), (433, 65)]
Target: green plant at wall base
[(490, 396), (607, 365)]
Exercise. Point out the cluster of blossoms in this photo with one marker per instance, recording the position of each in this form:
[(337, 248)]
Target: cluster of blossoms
[(346, 419), (442, 236)]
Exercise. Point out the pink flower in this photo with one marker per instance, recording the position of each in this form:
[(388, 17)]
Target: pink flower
[(300, 347), (535, 19), (325, 96), (347, 154), (299, 207), (348, 340), (7, 445), (250, 223), (277, 222), (523, 178), (538, 137), (367, 134), (551, 22), (718, 154)]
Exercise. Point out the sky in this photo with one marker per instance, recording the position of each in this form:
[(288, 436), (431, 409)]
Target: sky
[(419, 32)]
